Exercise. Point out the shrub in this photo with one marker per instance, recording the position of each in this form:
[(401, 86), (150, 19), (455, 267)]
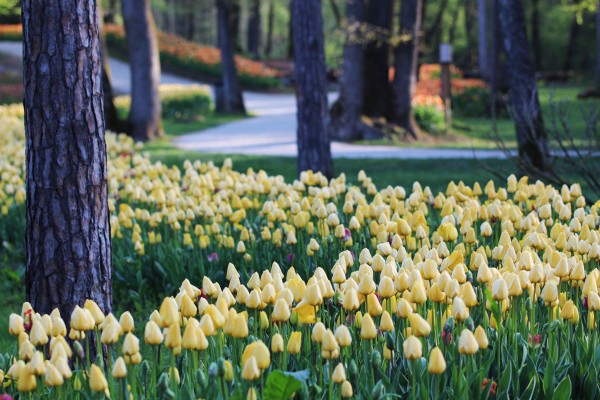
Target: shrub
[(11, 32), (179, 102), (428, 112), (474, 102)]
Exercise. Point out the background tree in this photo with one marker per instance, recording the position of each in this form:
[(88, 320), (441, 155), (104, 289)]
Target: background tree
[(406, 58), (68, 232), (527, 114), (229, 100), (347, 111), (142, 48), (377, 88), (254, 31), (314, 147)]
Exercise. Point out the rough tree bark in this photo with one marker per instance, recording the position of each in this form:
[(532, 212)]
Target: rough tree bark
[(68, 231), (406, 58), (142, 48), (254, 23), (347, 111), (314, 147), (527, 114), (229, 98), (377, 89)]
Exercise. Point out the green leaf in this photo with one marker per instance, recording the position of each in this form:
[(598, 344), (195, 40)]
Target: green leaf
[(531, 390), (504, 383), (281, 386), (549, 378), (563, 391)]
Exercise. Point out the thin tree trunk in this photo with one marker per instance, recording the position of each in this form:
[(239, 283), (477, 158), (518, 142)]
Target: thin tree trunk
[(68, 245), (527, 114), (346, 113), (433, 33), (112, 121), (235, 12), (470, 17), (270, 23), (254, 23), (598, 45), (230, 98), (290, 47), (572, 43), (336, 12), (406, 57), (142, 48), (314, 148), (536, 43), (482, 44), (377, 89)]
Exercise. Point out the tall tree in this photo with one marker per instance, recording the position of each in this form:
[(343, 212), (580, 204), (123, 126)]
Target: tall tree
[(68, 232), (230, 99), (536, 42), (406, 58), (470, 18), (527, 114), (377, 90), (254, 33), (314, 147), (142, 48), (347, 111), (482, 41), (270, 25), (598, 45), (112, 120), (574, 31)]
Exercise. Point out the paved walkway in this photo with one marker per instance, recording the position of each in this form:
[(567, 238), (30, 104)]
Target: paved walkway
[(272, 132)]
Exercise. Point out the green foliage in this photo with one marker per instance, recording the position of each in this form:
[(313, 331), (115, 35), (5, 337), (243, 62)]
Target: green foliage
[(10, 10), (430, 118), (475, 102), (185, 104), (282, 386)]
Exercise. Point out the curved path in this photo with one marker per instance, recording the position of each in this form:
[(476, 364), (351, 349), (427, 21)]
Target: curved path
[(272, 130)]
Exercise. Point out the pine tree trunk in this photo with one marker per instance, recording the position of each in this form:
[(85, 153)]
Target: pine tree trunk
[(406, 55), (377, 89), (229, 99), (314, 148), (142, 47), (527, 114), (346, 113), (270, 23), (254, 22), (68, 247)]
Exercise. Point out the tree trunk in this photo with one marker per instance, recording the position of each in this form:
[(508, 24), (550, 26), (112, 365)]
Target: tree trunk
[(406, 55), (536, 43), (598, 45), (572, 43), (235, 12), (111, 118), (142, 48), (314, 148), (270, 23), (527, 114), (470, 17), (230, 97), (290, 47), (453, 25), (254, 22), (336, 12), (482, 43), (68, 247), (346, 113), (433, 34), (377, 90)]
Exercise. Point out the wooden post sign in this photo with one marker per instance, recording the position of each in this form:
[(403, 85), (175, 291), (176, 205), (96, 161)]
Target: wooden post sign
[(446, 61)]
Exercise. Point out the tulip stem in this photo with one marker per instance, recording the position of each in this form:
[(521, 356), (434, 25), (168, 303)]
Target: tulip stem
[(155, 365), (413, 386), (330, 380)]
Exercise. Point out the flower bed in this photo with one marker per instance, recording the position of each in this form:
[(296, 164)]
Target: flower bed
[(198, 61), (321, 288)]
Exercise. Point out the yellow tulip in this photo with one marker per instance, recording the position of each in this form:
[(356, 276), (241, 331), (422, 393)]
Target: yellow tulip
[(294, 343), (339, 374), (412, 348), (250, 371), (152, 334), (98, 381), (467, 344), (437, 363), (368, 331), (53, 377)]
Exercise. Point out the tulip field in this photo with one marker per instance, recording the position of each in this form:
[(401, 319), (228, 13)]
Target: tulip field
[(235, 285)]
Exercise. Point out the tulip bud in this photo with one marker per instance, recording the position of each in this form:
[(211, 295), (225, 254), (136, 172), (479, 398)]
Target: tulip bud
[(467, 344), (412, 348)]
